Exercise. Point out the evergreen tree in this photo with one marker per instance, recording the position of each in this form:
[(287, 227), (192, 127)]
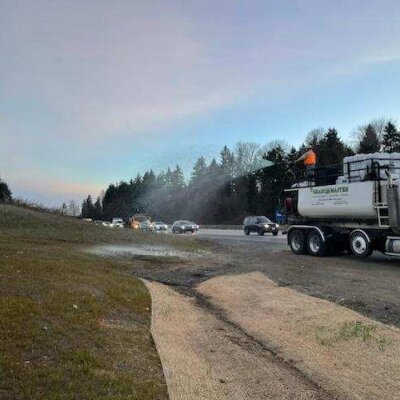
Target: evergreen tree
[(169, 178), (369, 142), (199, 172), (391, 138), (332, 149), (5, 192), (98, 209), (88, 208), (213, 169), (227, 162), (178, 179)]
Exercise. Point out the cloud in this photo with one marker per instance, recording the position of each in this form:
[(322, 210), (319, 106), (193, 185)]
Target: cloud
[(102, 68), (77, 75)]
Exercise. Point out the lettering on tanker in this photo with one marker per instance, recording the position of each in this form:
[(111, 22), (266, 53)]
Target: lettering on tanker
[(334, 195)]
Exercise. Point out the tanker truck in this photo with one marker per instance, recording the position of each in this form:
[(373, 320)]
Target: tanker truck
[(350, 207)]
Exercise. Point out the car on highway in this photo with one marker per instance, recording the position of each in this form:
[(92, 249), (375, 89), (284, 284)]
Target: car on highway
[(117, 223), (184, 226), (260, 225), (147, 226), (159, 226), (137, 219)]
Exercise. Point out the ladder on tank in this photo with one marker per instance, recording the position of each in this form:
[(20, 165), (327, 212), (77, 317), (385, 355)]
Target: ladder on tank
[(382, 211)]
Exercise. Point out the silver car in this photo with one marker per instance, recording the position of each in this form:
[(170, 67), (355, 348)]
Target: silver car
[(184, 226), (160, 226), (147, 226)]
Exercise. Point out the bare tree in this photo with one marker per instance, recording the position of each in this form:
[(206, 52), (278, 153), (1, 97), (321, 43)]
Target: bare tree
[(314, 137), (73, 208), (247, 155)]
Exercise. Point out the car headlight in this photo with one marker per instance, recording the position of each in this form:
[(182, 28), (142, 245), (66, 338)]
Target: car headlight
[(277, 225)]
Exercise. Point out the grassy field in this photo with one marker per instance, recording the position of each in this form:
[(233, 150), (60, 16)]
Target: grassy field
[(73, 325)]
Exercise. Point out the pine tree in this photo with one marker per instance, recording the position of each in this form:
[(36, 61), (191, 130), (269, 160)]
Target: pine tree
[(169, 178), (391, 138), (332, 149), (88, 208), (369, 142), (178, 179), (199, 172), (98, 209), (227, 162), (5, 192)]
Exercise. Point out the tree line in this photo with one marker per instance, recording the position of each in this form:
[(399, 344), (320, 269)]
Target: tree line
[(246, 180)]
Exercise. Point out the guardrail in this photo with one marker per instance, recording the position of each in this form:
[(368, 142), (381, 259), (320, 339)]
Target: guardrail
[(221, 227), (282, 228)]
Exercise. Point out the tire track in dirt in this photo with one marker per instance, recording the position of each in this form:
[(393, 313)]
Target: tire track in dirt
[(206, 356)]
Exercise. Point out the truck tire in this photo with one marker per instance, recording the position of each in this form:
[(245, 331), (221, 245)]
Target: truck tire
[(297, 241), (360, 244), (246, 232), (316, 245)]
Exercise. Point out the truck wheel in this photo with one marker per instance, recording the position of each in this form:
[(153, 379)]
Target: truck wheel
[(275, 233), (360, 245), (297, 241), (315, 244), (246, 232)]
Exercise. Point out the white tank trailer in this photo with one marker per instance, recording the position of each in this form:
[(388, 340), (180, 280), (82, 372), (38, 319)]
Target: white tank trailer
[(353, 207)]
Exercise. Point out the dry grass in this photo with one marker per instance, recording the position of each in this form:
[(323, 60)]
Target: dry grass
[(344, 352), (73, 325)]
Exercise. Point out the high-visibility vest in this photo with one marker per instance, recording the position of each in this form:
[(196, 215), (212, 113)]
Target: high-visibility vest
[(311, 158)]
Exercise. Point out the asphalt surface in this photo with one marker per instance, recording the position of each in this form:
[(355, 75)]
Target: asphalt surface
[(235, 235)]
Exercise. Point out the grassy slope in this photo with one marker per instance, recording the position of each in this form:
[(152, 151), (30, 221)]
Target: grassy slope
[(72, 325)]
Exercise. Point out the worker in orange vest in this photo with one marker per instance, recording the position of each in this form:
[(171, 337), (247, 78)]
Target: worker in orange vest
[(310, 159)]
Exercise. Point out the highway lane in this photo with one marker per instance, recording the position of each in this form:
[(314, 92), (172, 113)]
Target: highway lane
[(236, 235)]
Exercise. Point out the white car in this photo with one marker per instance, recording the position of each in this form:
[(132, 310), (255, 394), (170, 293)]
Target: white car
[(117, 223), (160, 226)]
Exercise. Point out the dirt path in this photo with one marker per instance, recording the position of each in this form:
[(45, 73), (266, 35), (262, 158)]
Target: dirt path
[(342, 351), (205, 358)]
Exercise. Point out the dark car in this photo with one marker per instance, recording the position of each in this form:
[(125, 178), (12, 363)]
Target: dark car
[(259, 225), (184, 226)]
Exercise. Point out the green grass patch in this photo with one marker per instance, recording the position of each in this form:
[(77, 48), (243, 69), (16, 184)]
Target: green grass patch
[(351, 330), (72, 325), (357, 329)]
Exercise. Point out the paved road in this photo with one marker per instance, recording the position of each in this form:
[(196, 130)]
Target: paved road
[(236, 235)]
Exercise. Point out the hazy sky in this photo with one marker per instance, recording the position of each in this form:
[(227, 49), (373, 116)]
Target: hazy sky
[(92, 92)]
